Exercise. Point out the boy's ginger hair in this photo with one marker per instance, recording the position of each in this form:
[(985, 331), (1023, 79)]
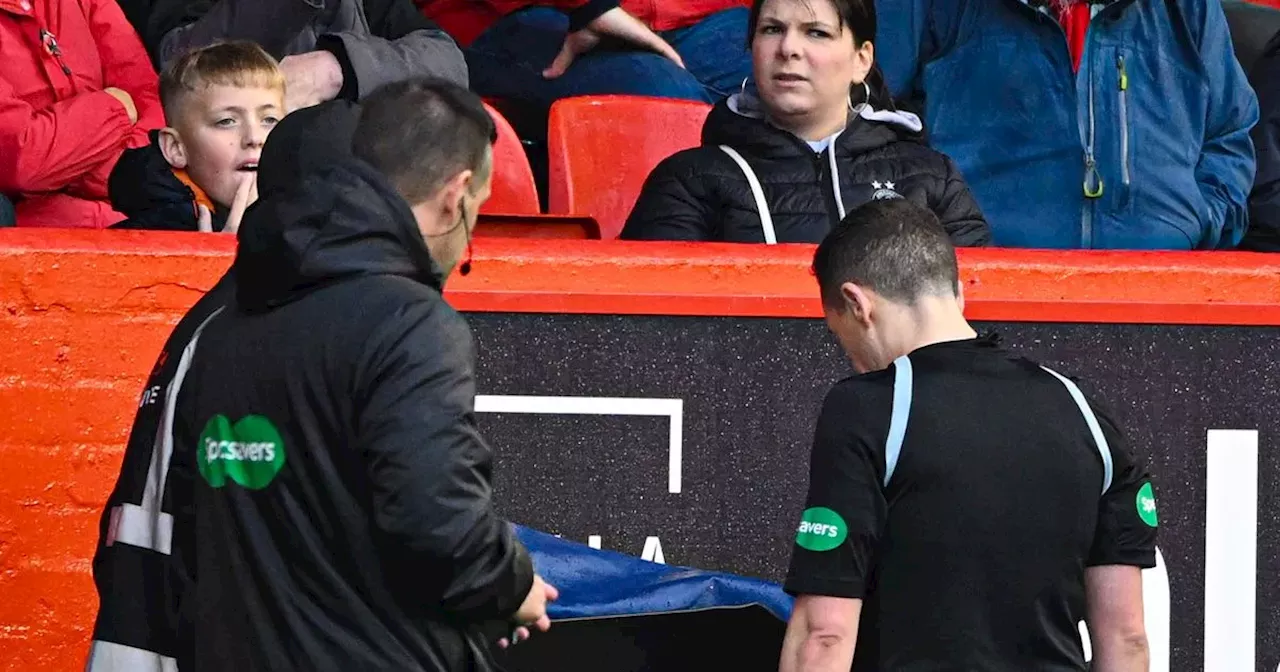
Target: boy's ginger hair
[(234, 63)]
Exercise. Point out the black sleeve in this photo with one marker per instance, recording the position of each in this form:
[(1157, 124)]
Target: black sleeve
[(845, 511), (168, 15), (165, 217), (673, 204), (1263, 233), (1127, 519), (394, 19), (959, 212), (592, 10), (430, 470)]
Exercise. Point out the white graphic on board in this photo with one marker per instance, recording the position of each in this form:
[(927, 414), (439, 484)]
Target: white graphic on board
[(669, 408)]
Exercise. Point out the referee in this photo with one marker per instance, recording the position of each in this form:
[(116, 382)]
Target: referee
[(967, 508)]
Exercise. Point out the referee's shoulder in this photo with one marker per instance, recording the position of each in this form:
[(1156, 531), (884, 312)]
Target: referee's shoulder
[(871, 384)]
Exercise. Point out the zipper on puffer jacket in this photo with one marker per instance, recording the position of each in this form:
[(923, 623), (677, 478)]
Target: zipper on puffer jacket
[(835, 209)]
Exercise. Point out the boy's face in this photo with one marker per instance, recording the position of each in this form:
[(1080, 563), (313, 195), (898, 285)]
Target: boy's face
[(219, 134)]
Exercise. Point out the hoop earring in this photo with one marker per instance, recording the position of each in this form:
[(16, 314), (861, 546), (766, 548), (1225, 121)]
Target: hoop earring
[(866, 99)]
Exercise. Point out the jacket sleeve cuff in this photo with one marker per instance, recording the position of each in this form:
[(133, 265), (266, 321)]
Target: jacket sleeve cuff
[(522, 580), (580, 17), (334, 45)]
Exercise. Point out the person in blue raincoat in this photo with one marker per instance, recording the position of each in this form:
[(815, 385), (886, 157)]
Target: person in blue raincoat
[(1120, 124)]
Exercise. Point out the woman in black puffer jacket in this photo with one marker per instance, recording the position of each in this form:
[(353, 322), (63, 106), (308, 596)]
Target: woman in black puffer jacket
[(820, 138)]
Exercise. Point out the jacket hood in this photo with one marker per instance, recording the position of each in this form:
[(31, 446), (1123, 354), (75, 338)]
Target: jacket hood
[(338, 222), (304, 139), (142, 180), (739, 122)]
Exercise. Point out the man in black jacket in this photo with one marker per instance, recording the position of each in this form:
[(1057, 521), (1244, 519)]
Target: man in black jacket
[(343, 504), (140, 586), (340, 491)]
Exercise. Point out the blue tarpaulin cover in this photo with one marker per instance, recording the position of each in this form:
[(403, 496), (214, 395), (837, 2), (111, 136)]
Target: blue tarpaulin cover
[(597, 583)]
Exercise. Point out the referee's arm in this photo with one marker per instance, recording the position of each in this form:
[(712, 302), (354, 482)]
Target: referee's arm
[(1124, 544), (835, 544)]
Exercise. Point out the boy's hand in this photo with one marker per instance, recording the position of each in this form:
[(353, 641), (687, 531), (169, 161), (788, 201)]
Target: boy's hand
[(204, 219), (246, 195), (310, 79), (126, 100)]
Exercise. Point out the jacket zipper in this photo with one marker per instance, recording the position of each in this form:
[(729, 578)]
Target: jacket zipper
[(824, 184), (1091, 174), (1124, 119), (51, 43), (1093, 182)]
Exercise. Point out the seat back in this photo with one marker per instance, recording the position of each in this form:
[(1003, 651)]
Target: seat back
[(514, 191), (602, 148), (536, 226)]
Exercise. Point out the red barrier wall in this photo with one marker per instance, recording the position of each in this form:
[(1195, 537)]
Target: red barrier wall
[(83, 315)]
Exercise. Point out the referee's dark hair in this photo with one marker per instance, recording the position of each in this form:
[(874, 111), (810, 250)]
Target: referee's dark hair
[(893, 247), (422, 132)]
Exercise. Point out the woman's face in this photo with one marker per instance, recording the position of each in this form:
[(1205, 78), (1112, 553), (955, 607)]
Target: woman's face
[(805, 60)]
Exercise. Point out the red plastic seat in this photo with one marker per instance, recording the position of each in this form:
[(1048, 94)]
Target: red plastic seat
[(514, 191), (601, 148)]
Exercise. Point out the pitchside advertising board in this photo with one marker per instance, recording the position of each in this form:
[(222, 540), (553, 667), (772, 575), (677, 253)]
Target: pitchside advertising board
[(685, 440)]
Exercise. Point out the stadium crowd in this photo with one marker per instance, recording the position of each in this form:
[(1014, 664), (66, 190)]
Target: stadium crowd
[(1114, 124), (1063, 124)]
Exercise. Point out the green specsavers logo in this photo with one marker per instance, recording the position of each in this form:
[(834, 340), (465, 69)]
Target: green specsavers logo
[(249, 452), (1146, 503), (821, 529)]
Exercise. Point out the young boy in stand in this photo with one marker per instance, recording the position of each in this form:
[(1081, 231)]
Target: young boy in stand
[(200, 171)]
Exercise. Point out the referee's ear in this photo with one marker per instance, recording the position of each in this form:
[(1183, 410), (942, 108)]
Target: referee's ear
[(858, 302)]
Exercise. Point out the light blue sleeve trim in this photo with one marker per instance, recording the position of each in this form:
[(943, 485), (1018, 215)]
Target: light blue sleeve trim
[(902, 387), (1104, 449)]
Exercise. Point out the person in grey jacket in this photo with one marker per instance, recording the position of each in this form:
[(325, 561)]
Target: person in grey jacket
[(328, 49)]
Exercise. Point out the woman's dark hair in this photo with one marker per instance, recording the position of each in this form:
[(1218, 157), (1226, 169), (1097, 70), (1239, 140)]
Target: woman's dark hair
[(859, 16)]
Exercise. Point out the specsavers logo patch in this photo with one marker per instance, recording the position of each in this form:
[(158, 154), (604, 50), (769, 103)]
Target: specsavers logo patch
[(821, 529), (249, 452), (1146, 503)]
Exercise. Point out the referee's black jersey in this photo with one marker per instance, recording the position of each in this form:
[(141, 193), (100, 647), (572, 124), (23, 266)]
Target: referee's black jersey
[(961, 493)]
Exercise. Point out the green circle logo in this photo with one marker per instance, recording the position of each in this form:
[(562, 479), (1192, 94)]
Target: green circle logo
[(1146, 503), (821, 529), (249, 452)]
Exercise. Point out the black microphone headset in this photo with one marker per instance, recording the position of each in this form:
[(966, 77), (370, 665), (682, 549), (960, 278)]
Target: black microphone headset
[(465, 268)]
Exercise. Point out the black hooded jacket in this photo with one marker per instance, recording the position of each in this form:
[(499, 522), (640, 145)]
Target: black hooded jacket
[(143, 187), (703, 194), (342, 491)]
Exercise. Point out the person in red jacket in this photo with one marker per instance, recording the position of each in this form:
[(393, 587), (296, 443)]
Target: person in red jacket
[(538, 52), (76, 89)]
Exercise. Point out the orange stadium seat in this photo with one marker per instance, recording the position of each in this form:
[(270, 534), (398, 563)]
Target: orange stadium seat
[(514, 191), (601, 149)]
